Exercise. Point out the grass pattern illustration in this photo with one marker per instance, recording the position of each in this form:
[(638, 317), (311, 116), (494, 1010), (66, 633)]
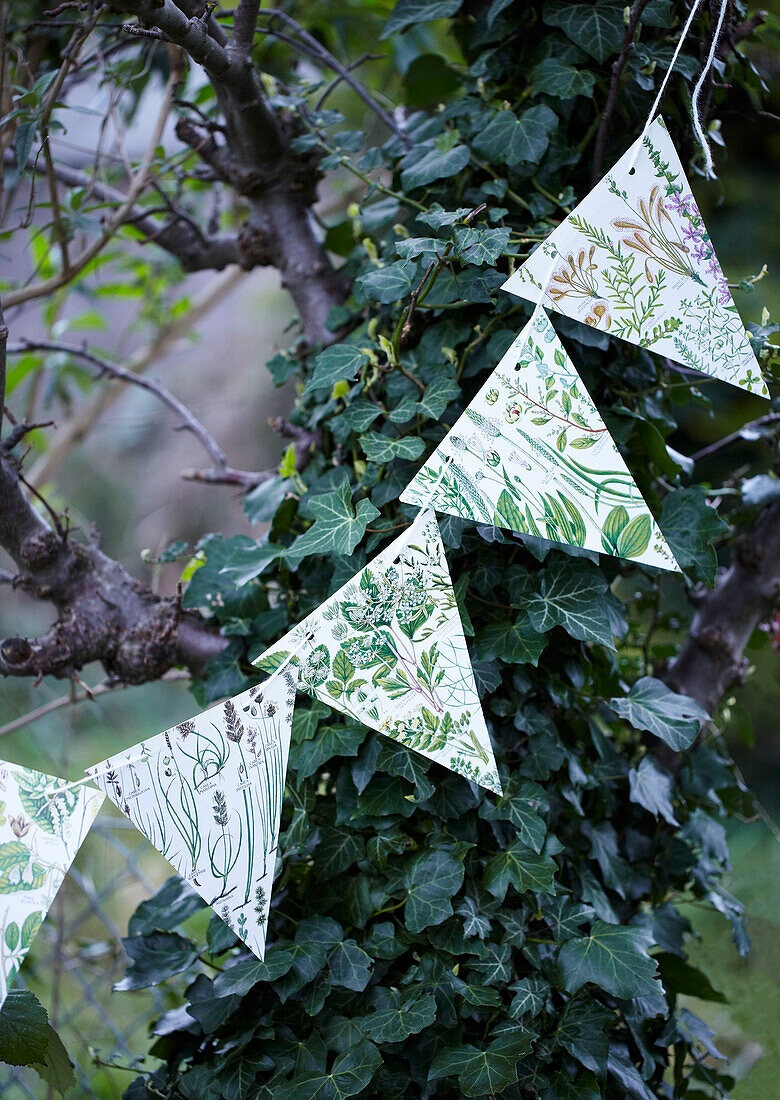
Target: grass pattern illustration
[(635, 260), (40, 832), (532, 454), (208, 795), (388, 650)]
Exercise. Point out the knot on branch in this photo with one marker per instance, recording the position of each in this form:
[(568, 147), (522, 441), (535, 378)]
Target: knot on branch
[(16, 651), (40, 550), (253, 246), (748, 551), (712, 640)]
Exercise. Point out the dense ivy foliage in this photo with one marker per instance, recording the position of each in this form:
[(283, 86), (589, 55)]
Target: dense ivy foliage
[(426, 938)]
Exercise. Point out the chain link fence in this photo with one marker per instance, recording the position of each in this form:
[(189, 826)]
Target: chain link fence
[(77, 957)]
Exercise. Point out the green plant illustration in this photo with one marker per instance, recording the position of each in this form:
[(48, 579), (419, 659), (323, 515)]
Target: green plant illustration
[(531, 453), (388, 650), (42, 828), (208, 795), (634, 259)]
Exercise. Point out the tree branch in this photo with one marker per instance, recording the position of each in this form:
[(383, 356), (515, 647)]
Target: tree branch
[(104, 614), (614, 86), (711, 658)]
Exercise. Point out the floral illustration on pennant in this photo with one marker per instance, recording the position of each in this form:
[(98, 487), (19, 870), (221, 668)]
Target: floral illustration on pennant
[(635, 260), (388, 649), (208, 795), (531, 453), (40, 832)]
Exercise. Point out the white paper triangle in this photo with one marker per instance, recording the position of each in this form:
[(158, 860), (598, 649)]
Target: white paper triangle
[(208, 795), (388, 649), (40, 833), (532, 454), (635, 260)]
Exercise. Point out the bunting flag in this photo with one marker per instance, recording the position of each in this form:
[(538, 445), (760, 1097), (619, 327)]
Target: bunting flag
[(208, 795), (388, 649), (636, 261), (532, 454), (43, 823)]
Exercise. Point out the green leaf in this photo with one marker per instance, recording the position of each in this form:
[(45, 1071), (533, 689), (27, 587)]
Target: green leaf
[(520, 804), (572, 595), (410, 12), (634, 539), (336, 362), (350, 966), (351, 1073), (56, 1068), (431, 880), (360, 414), (651, 705), (401, 1017), (509, 513), (383, 448), (480, 246), (155, 957), (690, 526), (438, 395), (249, 561), (339, 525), (173, 903), (246, 971), (613, 957), (554, 77), (387, 284), (337, 851), (508, 139), (652, 789), (434, 165), (596, 28), (513, 641), (521, 866), (484, 1072), (24, 1029), (581, 1032), (333, 740)]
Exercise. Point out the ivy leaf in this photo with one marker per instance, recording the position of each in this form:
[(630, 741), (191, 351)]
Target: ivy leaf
[(381, 448), (401, 1018), (524, 868), (438, 395), (332, 740), (351, 1073), (520, 805), (596, 28), (173, 903), (337, 851), (155, 957), (431, 881), (650, 705), (334, 363), (24, 1029), (581, 1032), (387, 284), (408, 12), (652, 788), (238, 978), (572, 595), (554, 77), (508, 139), (514, 641), (249, 561), (690, 526), (484, 1072), (480, 246), (434, 165), (339, 525), (350, 966), (613, 957)]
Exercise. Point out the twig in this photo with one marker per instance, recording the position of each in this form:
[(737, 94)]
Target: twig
[(141, 361), (190, 421), (315, 49), (144, 32), (69, 700), (3, 350), (614, 85), (734, 437)]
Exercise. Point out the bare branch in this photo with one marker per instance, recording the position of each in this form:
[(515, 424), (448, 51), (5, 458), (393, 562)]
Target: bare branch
[(244, 25), (618, 65), (734, 437), (3, 347), (711, 658)]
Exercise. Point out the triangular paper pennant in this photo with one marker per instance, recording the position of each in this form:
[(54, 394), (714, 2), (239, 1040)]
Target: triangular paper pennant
[(43, 823), (531, 453), (635, 260), (388, 649), (208, 795)]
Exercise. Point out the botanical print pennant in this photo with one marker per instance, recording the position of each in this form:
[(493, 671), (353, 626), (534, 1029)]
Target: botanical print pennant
[(208, 795), (388, 649), (532, 453), (43, 824), (635, 260)]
